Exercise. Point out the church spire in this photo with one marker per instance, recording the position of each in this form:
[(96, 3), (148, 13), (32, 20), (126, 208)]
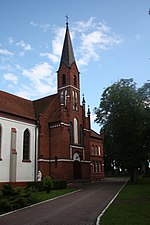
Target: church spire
[(67, 53)]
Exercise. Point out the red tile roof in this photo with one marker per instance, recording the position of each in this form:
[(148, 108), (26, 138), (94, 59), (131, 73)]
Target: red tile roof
[(50, 103), (15, 105)]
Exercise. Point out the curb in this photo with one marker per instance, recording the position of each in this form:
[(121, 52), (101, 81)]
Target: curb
[(98, 218), (39, 203)]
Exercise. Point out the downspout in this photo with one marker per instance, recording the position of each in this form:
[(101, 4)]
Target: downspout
[(49, 166), (36, 153)]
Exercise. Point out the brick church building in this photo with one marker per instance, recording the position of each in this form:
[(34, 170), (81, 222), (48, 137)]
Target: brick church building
[(52, 134)]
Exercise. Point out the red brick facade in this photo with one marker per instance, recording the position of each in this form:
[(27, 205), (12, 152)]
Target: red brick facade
[(65, 138)]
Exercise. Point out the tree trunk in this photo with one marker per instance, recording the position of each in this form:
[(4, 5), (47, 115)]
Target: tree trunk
[(134, 175)]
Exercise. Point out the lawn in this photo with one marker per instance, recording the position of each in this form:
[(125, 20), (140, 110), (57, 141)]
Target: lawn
[(131, 207), (16, 198)]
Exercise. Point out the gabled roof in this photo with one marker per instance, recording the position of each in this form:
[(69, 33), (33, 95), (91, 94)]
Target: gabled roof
[(51, 104), (67, 53), (14, 105), (95, 135)]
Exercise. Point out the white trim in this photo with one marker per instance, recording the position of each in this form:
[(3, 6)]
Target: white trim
[(86, 130), (68, 86), (62, 160), (75, 146), (65, 124)]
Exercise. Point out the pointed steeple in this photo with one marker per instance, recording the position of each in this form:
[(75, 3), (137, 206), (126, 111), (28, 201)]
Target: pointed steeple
[(67, 53)]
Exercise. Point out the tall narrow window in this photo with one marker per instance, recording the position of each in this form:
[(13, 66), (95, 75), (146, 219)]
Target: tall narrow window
[(75, 130), (26, 145), (93, 150), (63, 79), (71, 133), (73, 99), (0, 139), (76, 101)]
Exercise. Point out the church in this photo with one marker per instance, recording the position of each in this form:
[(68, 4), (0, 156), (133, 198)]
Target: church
[(53, 134)]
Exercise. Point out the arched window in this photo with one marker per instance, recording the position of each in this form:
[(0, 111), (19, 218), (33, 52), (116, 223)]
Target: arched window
[(63, 79), (73, 99), (96, 150), (81, 134), (0, 139), (93, 151), (71, 133), (26, 145), (75, 80), (76, 101), (75, 130)]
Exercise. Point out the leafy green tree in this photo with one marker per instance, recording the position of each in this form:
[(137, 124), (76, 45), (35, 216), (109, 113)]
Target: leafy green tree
[(124, 115)]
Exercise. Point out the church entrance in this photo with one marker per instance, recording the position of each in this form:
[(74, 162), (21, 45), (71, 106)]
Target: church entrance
[(77, 170), (76, 166)]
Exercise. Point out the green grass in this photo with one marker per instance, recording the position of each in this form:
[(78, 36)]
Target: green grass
[(42, 196), (131, 207)]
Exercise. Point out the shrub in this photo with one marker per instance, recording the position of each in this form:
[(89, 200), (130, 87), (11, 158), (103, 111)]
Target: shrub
[(7, 190), (59, 184), (5, 206), (48, 184), (35, 185)]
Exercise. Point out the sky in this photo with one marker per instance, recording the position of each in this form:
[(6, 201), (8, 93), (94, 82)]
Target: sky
[(111, 40)]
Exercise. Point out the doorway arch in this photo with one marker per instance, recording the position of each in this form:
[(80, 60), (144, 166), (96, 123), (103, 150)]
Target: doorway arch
[(76, 166)]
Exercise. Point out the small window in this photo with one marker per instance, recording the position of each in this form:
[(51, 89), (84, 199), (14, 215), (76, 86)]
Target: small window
[(93, 150), (96, 150), (63, 79), (26, 145)]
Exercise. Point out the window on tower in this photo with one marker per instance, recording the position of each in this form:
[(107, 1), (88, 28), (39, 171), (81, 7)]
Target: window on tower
[(75, 131)]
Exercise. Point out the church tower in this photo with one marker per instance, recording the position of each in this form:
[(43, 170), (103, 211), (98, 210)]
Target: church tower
[(68, 76)]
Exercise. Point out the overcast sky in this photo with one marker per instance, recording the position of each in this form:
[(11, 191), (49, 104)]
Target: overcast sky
[(111, 40)]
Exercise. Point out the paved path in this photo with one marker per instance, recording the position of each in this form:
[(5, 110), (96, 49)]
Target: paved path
[(80, 208)]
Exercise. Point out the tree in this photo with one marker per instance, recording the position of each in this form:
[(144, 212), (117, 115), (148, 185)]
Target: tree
[(124, 116)]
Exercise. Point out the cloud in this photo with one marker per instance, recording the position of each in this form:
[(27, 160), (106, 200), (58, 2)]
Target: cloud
[(10, 40), (42, 79), (42, 26), (11, 77), (5, 52), (23, 45), (95, 37)]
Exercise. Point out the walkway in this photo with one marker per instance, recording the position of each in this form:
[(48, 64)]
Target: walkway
[(79, 208)]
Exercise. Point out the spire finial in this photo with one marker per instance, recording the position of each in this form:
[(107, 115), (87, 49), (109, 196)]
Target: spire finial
[(67, 18)]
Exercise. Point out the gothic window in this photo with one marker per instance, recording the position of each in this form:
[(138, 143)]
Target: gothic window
[(63, 79), (93, 150), (76, 101), (26, 145), (71, 133), (0, 139), (65, 97), (73, 99), (75, 130), (96, 167), (96, 150), (100, 167), (81, 134), (75, 80), (93, 167), (99, 150)]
